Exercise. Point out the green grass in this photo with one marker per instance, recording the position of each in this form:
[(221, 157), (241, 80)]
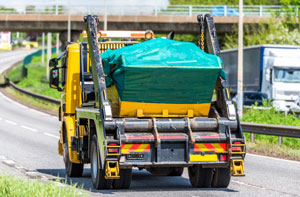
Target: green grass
[(17, 187), (35, 81), (273, 116), (35, 103)]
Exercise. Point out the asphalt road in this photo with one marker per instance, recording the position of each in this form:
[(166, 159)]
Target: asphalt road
[(29, 139)]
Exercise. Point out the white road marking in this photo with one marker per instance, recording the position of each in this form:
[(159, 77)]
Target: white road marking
[(248, 185), (0, 118), (28, 128), (12, 101), (273, 158), (25, 107), (10, 122), (50, 135)]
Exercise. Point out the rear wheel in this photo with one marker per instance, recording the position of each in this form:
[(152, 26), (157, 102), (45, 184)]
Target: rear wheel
[(125, 179), (200, 177), (72, 169), (98, 174), (221, 177)]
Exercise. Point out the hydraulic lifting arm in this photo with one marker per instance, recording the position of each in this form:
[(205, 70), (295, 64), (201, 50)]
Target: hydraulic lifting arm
[(208, 42), (97, 68)]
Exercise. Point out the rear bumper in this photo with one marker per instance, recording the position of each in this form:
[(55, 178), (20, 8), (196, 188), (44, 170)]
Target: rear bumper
[(210, 150)]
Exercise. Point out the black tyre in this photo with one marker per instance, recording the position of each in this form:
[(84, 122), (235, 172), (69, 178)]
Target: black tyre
[(124, 181), (176, 171), (72, 169), (200, 177), (97, 174), (221, 177)]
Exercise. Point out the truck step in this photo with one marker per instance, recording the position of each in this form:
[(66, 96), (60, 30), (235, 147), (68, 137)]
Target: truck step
[(112, 170)]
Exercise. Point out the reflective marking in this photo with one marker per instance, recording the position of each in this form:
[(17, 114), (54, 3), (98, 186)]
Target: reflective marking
[(203, 157), (11, 122), (50, 135), (28, 128)]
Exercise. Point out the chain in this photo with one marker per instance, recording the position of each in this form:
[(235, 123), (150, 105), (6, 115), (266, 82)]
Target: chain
[(202, 41)]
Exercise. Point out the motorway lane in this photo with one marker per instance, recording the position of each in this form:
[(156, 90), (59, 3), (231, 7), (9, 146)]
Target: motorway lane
[(29, 138)]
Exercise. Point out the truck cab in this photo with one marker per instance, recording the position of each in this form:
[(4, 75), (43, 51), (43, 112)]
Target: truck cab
[(281, 76), (114, 136)]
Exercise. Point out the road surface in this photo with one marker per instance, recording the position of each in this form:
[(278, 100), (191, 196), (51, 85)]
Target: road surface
[(28, 140)]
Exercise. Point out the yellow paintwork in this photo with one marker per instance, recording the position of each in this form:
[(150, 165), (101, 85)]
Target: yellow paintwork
[(237, 167), (112, 171), (71, 129), (137, 109), (72, 88), (197, 158)]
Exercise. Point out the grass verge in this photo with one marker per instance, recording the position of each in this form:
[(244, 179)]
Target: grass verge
[(30, 101), (36, 80), (13, 186), (267, 145), (264, 145)]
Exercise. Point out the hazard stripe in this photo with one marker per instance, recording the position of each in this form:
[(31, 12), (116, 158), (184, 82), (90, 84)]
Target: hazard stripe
[(224, 146), (210, 147), (134, 147), (196, 148), (130, 148), (218, 147)]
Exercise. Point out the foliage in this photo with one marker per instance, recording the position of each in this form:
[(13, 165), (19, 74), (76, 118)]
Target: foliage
[(36, 80), (274, 32), (225, 2), (13, 186), (272, 116)]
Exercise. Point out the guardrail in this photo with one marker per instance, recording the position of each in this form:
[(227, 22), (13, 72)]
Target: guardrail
[(31, 94), (150, 10)]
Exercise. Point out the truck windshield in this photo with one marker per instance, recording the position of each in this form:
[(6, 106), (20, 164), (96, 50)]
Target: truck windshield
[(286, 75)]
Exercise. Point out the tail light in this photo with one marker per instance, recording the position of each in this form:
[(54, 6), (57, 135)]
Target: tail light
[(223, 157), (236, 148)]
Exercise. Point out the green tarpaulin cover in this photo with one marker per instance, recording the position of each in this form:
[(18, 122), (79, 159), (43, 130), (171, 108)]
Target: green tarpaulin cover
[(162, 71)]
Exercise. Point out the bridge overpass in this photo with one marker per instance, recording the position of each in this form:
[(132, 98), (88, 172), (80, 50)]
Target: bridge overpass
[(159, 24)]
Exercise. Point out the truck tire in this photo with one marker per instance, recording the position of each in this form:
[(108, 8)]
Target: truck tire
[(200, 177), (72, 169), (176, 171), (124, 181), (221, 177), (98, 174)]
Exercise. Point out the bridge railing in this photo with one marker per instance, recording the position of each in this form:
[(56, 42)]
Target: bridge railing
[(185, 10)]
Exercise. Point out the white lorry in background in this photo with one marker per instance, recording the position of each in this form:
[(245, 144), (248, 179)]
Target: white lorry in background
[(271, 69)]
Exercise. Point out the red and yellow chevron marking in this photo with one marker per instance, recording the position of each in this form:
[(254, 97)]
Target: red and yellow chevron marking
[(210, 147), (134, 148)]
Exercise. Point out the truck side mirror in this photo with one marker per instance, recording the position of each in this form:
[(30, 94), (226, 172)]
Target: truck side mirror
[(54, 78), (53, 62)]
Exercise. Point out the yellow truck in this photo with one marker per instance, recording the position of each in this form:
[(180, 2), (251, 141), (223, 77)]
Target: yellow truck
[(98, 126)]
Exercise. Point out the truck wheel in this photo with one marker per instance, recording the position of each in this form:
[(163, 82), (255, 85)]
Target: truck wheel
[(98, 174), (125, 179), (221, 177), (176, 171), (200, 177), (72, 169)]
